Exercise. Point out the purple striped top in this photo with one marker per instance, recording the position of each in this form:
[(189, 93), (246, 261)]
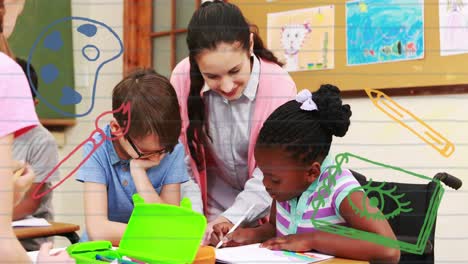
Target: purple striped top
[(294, 216)]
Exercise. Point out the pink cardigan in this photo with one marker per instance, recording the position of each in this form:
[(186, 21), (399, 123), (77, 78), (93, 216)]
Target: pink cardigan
[(274, 89)]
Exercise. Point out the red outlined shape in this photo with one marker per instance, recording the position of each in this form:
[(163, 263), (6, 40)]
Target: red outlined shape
[(125, 109)]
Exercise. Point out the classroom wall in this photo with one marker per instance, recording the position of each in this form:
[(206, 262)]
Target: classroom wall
[(372, 134)]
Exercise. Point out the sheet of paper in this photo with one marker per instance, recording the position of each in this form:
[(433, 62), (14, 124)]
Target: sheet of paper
[(30, 221), (33, 254), (255, 254)]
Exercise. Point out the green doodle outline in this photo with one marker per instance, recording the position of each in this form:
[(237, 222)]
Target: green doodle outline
[(368, 188), (325, 226)]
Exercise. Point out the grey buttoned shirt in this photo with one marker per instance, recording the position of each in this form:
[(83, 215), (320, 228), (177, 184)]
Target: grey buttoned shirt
[(230, 192)]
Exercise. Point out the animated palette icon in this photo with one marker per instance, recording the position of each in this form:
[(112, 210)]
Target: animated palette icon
[(94, 56)]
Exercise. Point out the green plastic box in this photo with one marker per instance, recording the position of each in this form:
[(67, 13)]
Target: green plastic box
[(156, 233)]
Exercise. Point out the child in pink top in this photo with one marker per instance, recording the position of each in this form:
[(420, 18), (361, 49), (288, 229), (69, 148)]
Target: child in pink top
[(17, 117), (18, 113)]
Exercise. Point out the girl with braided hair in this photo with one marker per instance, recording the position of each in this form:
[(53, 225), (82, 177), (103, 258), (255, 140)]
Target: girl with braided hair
[(290, 151)]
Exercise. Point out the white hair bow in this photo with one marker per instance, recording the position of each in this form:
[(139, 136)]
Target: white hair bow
[(305, 97)]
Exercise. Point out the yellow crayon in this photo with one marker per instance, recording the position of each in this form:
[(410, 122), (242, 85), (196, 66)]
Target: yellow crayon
[(419, 128)]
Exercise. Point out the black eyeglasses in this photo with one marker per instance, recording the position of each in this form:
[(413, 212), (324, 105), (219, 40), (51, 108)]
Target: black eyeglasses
[(145, 155)]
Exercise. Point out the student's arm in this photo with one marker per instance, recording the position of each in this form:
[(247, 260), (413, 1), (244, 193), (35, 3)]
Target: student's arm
[(10, 249), (341, 246), (42, 157), (143, 184), (93, 174), (175, 174), (28, 205), (22, 184), (97, 223), (170, 193)]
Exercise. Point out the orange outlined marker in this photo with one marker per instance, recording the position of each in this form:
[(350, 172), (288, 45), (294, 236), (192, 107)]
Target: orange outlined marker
[(419, 128)]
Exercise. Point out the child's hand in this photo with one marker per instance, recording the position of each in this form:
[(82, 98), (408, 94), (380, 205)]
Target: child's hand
[(59, 257), (22, 184), (241, 236), (209, 229), (289, 242), (18, 164), (219, 231), (145, 164)]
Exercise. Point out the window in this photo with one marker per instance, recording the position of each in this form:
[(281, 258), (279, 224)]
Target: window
[(155, 32)]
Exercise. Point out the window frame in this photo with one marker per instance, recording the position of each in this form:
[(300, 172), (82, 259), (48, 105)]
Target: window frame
[(138, 34)]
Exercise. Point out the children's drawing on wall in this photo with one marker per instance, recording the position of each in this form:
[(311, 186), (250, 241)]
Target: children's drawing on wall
[(303, 39), (453, 19), (292, 39), (380, 31)]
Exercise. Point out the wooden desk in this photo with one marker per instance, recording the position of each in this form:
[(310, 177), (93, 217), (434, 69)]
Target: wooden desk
[(55, 229)]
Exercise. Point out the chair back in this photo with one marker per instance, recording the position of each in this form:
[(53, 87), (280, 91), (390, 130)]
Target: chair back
[(407, 226)]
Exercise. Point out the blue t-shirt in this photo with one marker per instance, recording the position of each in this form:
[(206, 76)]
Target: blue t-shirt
[(104, 166)]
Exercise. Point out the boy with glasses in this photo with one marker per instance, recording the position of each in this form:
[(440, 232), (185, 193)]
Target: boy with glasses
[(148, 160)]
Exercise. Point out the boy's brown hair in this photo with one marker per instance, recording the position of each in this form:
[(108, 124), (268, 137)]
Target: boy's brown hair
[(154, 106)]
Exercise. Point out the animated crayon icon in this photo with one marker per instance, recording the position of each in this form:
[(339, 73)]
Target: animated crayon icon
[(419, 128)]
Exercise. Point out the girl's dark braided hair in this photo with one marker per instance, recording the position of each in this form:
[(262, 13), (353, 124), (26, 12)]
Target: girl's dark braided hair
[(307, 134)]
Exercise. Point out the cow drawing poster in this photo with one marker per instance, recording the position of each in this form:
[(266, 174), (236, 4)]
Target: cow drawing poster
[(303, 39)]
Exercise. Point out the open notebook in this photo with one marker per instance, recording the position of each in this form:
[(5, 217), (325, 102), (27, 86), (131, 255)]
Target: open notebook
[(255, 254)]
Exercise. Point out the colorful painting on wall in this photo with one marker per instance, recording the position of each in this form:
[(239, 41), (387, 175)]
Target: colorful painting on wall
[(453, 19), (379, 31)]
